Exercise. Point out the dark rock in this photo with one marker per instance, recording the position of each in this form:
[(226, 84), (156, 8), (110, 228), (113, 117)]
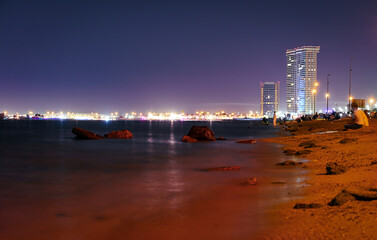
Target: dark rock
[(289, 163), (247, 141), (229, 168), (374, 162), (189, 139), (62, 214), (341, 199), (221, 138), (307, 206), (84, 134), (307, 144), (333, 168), (310, 129), (364, 195), (323, 147), (124, 134), (251, 181), (289, 151), (201, 133), (278, 183), (303, 152), (347, 140)]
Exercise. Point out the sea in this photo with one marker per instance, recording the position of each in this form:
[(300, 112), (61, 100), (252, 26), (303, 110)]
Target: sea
[(154, 186)]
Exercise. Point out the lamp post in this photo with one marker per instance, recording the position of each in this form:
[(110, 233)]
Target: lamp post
[(327, 93), (349, 95), (350, 102)]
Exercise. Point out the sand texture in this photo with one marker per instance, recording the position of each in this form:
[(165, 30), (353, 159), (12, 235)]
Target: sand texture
[(354, 151)]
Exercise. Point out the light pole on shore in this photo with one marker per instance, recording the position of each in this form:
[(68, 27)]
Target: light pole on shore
[(349, 94), (327, 93)]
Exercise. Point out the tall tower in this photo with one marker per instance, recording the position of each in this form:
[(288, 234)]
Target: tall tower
[(301, 78), (269, 97)]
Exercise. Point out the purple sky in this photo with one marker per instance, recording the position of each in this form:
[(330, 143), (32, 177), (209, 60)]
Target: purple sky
[(125, 56)]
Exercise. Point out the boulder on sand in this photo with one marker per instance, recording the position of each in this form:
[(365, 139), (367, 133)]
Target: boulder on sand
[(201, 133), (289, 163), (332, 168), (124, 134), (84, 134)]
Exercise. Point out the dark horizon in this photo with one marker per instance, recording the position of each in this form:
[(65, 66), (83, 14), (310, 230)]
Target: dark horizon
[(101, 56)]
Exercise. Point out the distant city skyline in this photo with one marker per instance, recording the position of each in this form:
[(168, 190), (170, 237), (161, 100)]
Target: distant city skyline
[(169, 56)]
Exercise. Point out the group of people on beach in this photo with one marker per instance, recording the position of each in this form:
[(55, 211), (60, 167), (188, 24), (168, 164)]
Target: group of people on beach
[(359, 118)]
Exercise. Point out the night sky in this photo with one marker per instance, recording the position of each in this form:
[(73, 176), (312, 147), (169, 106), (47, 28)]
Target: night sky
[(108, 56)]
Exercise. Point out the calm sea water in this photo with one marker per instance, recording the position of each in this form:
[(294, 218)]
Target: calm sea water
[(53, 186)]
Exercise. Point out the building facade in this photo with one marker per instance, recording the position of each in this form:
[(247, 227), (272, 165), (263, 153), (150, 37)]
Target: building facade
[(301, 79), (269, 98)]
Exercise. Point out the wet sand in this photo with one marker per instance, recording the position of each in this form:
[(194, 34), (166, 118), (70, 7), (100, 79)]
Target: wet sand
[(352, 220)]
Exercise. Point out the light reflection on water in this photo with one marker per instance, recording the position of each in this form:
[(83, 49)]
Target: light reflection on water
[(146, 182)]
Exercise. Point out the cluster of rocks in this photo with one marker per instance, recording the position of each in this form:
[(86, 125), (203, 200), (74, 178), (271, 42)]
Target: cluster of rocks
[(84, 134)]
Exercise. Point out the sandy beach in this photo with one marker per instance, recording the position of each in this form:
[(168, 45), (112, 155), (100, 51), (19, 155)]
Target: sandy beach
[(354, 151)]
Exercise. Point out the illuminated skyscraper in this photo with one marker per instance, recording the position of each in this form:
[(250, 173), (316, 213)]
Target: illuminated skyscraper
[(269, 98), (301, 78)]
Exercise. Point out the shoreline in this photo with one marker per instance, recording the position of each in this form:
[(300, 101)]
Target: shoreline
[(351, 149)]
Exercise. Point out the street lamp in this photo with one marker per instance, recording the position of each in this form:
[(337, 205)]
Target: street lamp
[(350, 102), (314, 92), (327, 93), (349, 95)]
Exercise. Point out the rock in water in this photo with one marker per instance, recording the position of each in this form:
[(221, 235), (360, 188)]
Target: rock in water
[(221, 138), (251, 181), (333, 168), (84, 134), (189, 139), (230, 168), (124, 134), (247, 141), (201, 133)]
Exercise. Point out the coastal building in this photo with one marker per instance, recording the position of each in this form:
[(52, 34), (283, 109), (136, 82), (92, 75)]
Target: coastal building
[(269, 98), (301, 79)]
